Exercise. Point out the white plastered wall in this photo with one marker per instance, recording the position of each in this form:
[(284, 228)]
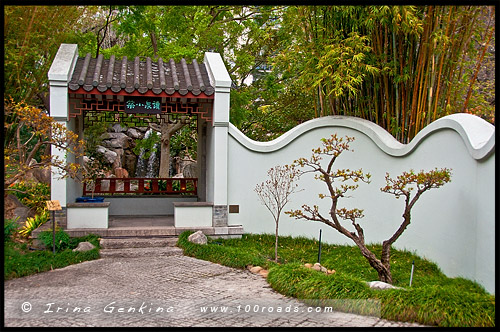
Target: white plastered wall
[(452, 226)]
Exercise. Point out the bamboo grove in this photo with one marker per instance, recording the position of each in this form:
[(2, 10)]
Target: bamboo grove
[(401, 67)]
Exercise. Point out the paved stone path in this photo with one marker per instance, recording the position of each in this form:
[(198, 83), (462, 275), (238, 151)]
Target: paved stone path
[(161, 291)]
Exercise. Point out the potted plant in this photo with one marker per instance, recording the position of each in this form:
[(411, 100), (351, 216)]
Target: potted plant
[(92, 169)]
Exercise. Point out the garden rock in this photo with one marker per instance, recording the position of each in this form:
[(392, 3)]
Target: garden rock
[(198, 238), (84, 246), (134, 133), (319, 267), (13, 208), (264, 273), (381, 285), (121, 172), (255, 269), (117, 128)]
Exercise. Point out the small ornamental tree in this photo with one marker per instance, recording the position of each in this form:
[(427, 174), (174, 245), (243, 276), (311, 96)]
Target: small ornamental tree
[(275, 193), (403, 185), (28, 134)]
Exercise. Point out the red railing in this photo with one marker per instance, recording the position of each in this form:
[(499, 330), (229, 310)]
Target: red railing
[(111, 186)]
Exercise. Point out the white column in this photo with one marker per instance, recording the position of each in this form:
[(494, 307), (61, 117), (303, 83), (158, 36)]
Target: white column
[(218, 140), (59, 75)]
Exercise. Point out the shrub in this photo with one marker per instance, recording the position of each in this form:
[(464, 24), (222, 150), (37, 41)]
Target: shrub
[(20, 262), (62, 239), (33, 195), (9, 227), (33, 223)]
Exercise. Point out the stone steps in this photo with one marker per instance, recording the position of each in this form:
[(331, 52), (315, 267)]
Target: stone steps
[(133, 247), (140, 252), (137, 242)]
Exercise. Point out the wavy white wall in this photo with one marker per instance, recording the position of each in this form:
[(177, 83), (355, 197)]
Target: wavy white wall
[(452, 226)]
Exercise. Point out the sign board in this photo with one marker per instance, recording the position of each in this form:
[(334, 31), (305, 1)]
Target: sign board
[(53, 205), (148, 105)]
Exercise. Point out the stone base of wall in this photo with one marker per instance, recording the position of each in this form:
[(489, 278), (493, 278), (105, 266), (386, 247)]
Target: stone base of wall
[(219, 216)]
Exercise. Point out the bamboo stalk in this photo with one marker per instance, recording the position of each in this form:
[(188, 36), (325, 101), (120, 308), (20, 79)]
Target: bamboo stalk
[(477, 69)]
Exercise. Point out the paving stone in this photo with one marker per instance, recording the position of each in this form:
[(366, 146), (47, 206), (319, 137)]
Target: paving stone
[(172, 291)]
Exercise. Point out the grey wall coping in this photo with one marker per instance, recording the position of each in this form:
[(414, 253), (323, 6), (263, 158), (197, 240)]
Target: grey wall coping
[(192, 204), (88, 205)]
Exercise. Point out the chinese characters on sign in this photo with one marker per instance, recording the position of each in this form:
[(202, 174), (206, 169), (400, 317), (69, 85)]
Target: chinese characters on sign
[(149, 105)]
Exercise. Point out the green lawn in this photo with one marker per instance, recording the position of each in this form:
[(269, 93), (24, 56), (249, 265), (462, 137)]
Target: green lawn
[(20, 261), (433, 299)]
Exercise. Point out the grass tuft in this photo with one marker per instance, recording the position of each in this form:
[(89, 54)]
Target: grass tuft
[(21, 262)]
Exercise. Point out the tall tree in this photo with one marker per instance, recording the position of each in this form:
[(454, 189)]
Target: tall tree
[(237, 32), (32, 35)]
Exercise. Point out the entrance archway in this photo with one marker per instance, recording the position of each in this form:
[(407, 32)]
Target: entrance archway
[(81, 87)]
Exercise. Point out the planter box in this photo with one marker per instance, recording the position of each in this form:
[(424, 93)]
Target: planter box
[(87, 215), (193, 214), (85, 199)]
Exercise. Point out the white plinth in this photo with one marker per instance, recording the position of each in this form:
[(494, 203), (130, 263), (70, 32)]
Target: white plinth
[(193, 214), (87, 215)]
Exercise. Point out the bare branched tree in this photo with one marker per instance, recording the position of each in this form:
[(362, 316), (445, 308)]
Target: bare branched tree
[(275, 193), (403, 185)]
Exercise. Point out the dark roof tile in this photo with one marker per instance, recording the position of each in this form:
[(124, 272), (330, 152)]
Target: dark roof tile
[(142, 76)]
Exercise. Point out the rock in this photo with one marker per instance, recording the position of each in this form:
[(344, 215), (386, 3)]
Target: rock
[(317, 267), (308, 265), (135, 133), (198, 238), (110, 156), (264, 273), (118, 160), (84, 246), (116, 140), (43, 175), (121, 172), (331, 272), (13, 208), (255, 269), (129, 161), (381, 285), (190, 170), (117, 128), (37, 244)]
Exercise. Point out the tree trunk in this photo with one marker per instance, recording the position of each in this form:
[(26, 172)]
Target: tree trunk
[(164, 158), (383, 270), (276, 242), (166, 130)]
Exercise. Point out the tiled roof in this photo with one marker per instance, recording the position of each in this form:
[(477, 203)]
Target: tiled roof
[(142, 76)]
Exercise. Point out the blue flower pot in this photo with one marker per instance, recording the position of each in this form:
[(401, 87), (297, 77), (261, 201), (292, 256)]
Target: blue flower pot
[(85, 199)]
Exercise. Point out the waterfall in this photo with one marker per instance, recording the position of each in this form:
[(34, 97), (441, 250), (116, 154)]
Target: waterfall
[(148, 168)]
